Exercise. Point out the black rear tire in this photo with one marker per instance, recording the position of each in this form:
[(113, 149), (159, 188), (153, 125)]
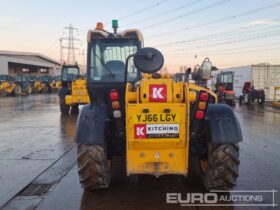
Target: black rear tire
[(223, 167), (230, 102), (64, 108), (240, 99), (28, 89), (18, 90), (93, 167), (261, 100), (247, 98), (46, 89)]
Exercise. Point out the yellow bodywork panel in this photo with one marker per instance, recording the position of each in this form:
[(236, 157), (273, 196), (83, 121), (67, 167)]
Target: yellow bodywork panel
[(53, 85), (79, 93), (145, 91), (157, 128), (157, 141), (157, 125), (58, 84), (8, 87), (38, 85), (194, 88), (276, 103)]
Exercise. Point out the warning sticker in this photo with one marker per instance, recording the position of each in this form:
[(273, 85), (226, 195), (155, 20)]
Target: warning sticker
[(156, 131)]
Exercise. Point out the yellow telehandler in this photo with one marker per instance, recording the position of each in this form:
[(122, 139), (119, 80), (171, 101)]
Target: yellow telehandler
[(156, 123), (7, 85), (73, 91)]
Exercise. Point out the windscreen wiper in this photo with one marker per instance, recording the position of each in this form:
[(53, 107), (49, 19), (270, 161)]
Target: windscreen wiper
[(106, 67)]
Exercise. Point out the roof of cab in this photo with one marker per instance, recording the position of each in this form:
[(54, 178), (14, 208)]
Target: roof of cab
[(106, 34)]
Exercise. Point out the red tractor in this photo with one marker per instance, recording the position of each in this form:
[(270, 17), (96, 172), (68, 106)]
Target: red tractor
[(223, 87), (250, 94)]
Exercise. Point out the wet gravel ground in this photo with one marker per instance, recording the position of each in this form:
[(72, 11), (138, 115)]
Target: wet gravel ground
[(37, 146)]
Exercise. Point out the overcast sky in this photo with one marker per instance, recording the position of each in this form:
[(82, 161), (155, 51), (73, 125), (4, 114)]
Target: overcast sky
[(229, 32)]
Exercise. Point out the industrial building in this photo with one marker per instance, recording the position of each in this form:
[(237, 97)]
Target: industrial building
[(264, 76), (12, 63)]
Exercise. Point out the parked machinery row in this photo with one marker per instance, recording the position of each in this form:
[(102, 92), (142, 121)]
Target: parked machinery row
[(223, 85), (24, 84)]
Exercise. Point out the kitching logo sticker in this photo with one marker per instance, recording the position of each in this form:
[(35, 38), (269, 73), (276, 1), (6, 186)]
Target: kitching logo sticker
[(139, 131), (142, 131), (157, 93)]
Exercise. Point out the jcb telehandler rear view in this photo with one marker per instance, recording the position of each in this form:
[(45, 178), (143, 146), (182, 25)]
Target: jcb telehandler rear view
[(155, 122), (73, 90)]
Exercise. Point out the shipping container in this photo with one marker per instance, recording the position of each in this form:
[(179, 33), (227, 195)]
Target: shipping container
[(261, 75)]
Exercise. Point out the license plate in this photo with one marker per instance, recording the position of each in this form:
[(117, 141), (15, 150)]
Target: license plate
[(156, 118)]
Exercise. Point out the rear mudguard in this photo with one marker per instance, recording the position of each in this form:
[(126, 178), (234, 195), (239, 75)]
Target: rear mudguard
[(222, 125), (63, 92), (91, 124)]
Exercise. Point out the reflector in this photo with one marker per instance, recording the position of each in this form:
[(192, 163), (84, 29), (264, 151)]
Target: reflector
[(199, 115), (115, 105), (203, 96), (114, 95), (201, 105)]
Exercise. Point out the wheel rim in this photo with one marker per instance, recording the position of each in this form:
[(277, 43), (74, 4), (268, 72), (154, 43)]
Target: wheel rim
[(246, 98), (204, 165), (18, 90), (29, 90)]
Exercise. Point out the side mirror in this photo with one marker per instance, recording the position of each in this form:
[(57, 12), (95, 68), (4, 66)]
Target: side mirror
[(195, 73), (206, 68), (148, 60)]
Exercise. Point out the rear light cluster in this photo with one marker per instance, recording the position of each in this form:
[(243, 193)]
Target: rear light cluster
[(114, 97), (201, 106)]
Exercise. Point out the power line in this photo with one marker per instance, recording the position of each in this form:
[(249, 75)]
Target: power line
[(164, 13), (232, 32), (222, 33), (238, 52), (242, 14), (142, 10), (255, 47), (242, 39), (51, 46), (188, 14), (136, 12), (54, 49)]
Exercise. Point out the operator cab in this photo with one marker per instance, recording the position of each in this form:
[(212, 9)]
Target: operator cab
[(46, 79), (107, 54), (69, 73), (6, 78), (226, 79), (21, 78)]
